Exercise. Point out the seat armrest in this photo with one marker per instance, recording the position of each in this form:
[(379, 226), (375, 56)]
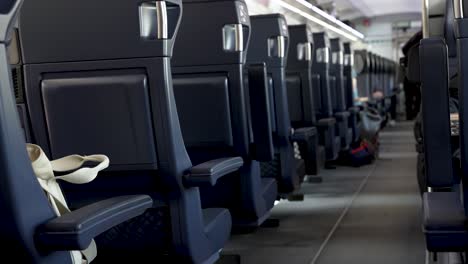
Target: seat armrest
[(326, 122), (75, 230), (354, 109), (443, 211), (304, 134), (342, 116), (261, 111), (208, 173)]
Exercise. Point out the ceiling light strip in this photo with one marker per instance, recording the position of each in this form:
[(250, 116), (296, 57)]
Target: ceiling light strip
[(317, 20), (331, 18)]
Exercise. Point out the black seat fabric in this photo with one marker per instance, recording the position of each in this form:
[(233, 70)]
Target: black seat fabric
[(349, 93), (363, 66), (212, 100), (444, 222), (302, 109), (443, 211), (339, 103), (436, 113), (270, 32), (119, 101), (321, 80), (31, 229), (449, 35), (337, 71)]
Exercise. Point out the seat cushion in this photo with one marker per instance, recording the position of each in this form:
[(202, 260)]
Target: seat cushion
[(443, 211), (218, 225), (270, 192)]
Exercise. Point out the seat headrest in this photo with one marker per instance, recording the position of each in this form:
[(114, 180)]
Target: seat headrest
[(321, 40), (99, 30), (299, 33), (336, 45), (347, 48), (410, 43), (298, 36), (449, 32), (267, 31), (361, 61), (208, 38)]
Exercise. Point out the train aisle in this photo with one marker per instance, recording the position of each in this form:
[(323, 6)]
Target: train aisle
[(357, 215)]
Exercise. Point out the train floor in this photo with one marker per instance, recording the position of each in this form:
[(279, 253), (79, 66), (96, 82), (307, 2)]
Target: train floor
[(361, 215)]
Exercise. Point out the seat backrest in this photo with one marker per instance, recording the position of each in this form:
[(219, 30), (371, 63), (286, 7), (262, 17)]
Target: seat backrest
[(373, 70), (337, 70), (348, 74), (210, 57), (460, 26), (269, 43), (379, 72), (208, 75), (385, 71), (269, 40), (22, 200), (449, 31), (90, 98), (435, 112), (435, 13), (299, 77), (372, 73), (449, 35), (320, 68), (362, 65), (103, 84)]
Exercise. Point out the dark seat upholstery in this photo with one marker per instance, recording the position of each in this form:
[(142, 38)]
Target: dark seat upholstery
[(215, 220), (212, 100), (301, 95), (445, 213), (449, 36), (30, 227), (348, 87), (445, 222), (324, 103), (269, 43), (363, 67), (269, 187), (435, 112), (90, 98)]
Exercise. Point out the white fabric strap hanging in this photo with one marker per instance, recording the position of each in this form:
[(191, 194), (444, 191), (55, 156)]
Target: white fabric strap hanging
[(44, 170)]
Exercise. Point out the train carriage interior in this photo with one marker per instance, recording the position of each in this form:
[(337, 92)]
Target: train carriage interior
[(233, 131)]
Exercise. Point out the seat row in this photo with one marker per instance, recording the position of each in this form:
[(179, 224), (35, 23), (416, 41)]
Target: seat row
[(375, 79), (438, 64), (207, 121)]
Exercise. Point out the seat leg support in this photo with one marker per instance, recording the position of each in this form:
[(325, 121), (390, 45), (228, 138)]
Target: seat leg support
[(271, 223), (313, 179), (229, 259), (296, 197)]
